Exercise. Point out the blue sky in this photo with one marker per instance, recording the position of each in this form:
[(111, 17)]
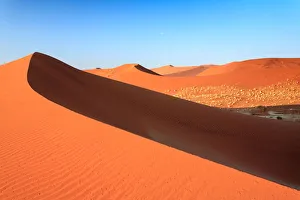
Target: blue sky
[(107, 33)]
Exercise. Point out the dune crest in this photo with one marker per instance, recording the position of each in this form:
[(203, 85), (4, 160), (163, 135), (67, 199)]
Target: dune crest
[(124, 71), (130, 67)]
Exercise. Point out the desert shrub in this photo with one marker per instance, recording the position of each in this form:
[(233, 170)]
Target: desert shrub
[(262, 108)]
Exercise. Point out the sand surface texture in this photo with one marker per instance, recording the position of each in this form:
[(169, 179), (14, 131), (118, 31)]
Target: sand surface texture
[(69, 134)]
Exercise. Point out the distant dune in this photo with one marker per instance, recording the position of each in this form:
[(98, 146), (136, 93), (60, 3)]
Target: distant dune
[(70, 134), (265, 71), (239, 84), (191, 72), (170, 69), (130, 68), (181, 71), (249, 74), (256, 64), (123, 71), (257, 72)]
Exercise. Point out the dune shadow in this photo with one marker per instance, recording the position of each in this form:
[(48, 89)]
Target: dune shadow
[(145, 70), (265, 148)]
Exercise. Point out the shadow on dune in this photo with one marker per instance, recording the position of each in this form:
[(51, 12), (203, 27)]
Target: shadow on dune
[(265, 148), (143, 69)]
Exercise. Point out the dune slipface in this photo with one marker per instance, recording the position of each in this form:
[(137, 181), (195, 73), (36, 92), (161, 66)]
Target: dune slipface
[(69, 134)]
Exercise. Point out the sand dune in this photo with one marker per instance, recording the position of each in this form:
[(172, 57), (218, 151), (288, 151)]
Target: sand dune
[(257, 72), (256, 64), (170, 69), (267, 82), (153, 81), (69, 134), (248, 74), (124, 71), (181, 71), (236, 87), (191, 72), (132, 68)]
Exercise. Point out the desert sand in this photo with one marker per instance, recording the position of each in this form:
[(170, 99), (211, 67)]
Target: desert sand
[(182, 71), (103, 134), (170, 69), (267, 82)]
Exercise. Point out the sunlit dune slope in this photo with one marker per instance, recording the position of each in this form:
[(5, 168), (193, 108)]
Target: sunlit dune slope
[(256, 72), (191, 72), (170, 69)]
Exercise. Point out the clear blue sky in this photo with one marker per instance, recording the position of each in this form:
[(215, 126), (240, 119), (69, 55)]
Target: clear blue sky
[(108, 33)]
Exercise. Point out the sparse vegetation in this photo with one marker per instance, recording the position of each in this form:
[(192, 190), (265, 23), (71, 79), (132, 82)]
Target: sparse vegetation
[(279, 118), (224, 96), (262, 108)]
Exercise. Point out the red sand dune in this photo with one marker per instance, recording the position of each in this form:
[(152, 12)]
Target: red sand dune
[(151, 80), (247, 78), (68, 134), (257, 72), (147, 80), (249, 74), (256, 64), (191, 72), (170, 69), (123, 70), (181, 71), (131, 73)]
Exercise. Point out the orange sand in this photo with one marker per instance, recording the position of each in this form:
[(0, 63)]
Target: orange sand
[(247, 74), (170, 69), (68, 134), (258, 72)]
